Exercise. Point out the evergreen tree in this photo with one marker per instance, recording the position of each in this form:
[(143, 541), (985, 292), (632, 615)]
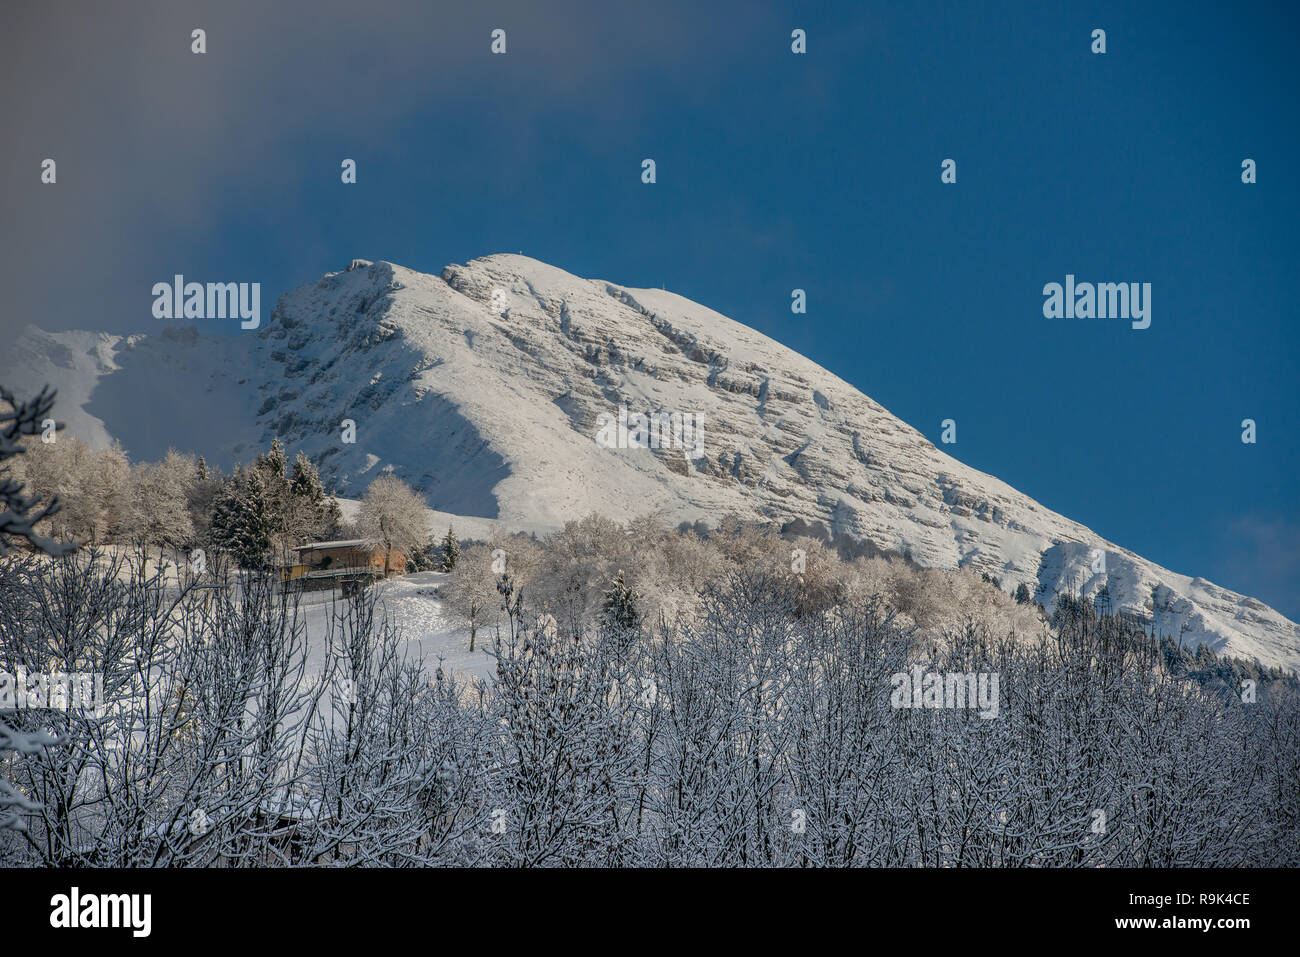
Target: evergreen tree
[(305, 480), (313, 515), (450, 550), (620, 608), (427, 558), (264, 510), (204, 490), (333, 518), (277, 496), (243, 522), (1022, 594), (273, 461)]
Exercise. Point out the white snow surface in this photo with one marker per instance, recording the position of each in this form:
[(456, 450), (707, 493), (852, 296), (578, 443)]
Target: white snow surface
[(429, 635), (489, 406)]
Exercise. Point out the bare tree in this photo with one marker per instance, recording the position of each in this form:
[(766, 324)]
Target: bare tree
[(159, 510), (393, 516), (19, 515), (471, 593)]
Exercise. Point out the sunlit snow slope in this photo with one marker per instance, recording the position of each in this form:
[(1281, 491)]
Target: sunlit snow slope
[(482, 387)]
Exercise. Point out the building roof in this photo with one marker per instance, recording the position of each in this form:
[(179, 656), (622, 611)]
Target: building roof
[(346, 543)]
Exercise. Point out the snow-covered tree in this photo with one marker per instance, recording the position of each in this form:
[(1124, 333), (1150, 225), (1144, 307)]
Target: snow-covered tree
[(471, 593), (576, 567), (450, 550), (262, 511), (426, 558), (243, 521), (313, 515), (620, 609), (159, 497), (566, 792), (747, 731), (271, 469), (19, 515), (204, 488), (20, 512), (186, 766), (90, 483), (392, 516)]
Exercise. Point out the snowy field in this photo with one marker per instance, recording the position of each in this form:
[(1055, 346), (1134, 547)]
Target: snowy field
[(411, 604), (428, 633), (429, 636)]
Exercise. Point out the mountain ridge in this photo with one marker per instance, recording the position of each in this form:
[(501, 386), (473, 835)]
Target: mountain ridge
[(482, 387)]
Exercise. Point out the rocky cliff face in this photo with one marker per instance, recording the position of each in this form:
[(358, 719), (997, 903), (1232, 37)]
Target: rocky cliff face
[(486, 387)]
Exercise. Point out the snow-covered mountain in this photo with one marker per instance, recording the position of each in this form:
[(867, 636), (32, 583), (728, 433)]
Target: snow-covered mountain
[(485, 388)]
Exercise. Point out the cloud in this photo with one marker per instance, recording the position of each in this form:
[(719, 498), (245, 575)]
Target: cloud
[(159, 148)]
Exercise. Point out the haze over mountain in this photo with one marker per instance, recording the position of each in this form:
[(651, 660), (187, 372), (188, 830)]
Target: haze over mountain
[(484, 387)]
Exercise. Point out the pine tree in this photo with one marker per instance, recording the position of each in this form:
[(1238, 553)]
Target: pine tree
[(620, 608), (313, 515), (264, 510), (243, 520), (273, 462), (271, 469), (1022, 594), (205, 489), (305, 480), (426, 558), (333, 518), (20, 512), (450, 550)]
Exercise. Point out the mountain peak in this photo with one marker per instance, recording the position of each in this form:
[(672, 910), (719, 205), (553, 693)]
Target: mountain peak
[(491, 387)]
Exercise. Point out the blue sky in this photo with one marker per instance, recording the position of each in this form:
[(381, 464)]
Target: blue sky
[(775, 171)]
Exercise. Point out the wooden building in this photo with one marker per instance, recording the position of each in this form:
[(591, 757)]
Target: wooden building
[(342, 564)]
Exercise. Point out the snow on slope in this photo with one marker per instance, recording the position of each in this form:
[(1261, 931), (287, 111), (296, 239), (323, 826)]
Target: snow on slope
[(482, 387), (73, 360), (430, 637)]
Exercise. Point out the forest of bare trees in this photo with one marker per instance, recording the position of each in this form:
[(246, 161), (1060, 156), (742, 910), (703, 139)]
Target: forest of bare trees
[(753, 735), (659, 697)]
